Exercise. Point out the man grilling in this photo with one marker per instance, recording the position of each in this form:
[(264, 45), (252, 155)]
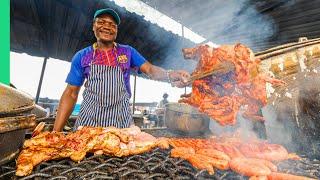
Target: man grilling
[(106, 67)]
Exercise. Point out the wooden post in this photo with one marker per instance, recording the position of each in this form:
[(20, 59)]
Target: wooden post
[(41, 78), (134, 93)]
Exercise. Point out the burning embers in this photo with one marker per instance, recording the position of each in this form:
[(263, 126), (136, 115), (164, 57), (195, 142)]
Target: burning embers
[(222, 95), (254, 158)]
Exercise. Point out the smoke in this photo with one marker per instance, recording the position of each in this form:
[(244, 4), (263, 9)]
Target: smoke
[(277, 131), (245, 25), (222, 22)]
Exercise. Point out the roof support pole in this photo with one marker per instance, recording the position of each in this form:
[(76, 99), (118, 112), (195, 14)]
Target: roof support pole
[(41, 78), (134, 93), (182, 33)]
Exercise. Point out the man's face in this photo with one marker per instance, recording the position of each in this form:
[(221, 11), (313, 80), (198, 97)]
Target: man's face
[(105, 28)]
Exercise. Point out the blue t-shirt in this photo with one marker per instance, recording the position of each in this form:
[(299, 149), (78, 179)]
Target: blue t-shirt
[(125, 56)]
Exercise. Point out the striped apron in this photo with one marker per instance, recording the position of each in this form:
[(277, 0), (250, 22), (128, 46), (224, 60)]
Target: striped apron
[(105, 98)]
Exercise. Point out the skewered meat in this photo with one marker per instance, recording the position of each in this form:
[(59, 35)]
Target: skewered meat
[(221, 95), (109, 141)]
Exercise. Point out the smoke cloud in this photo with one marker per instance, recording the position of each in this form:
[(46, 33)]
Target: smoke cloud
[(222, 22)]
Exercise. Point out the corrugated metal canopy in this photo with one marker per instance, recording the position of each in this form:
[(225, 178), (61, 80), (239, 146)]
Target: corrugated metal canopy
[(259, 24), (59, 28)]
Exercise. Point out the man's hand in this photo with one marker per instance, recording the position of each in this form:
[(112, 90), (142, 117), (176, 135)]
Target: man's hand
[(179, 78)]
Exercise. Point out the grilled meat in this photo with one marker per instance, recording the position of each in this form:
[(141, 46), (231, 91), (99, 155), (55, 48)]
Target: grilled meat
[(250, 157), (109, 141), (30, 157), (182, 152), (263, 150), (285, 176), (46, 139), (221, 95), (214, 154), (249, 167), (201, 162)]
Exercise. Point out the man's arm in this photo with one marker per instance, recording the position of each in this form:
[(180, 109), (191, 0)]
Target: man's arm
[(178, 78), (66, 105)]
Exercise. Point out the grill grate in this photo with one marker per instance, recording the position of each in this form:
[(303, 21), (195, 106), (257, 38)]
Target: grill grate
[(156, 164)]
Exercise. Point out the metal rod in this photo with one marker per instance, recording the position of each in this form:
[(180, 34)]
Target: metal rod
[(134, 93), (182, 33), (183, 42), (41, 78)]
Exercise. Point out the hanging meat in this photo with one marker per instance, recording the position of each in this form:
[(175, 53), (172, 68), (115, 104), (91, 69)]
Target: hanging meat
[(239, 87)]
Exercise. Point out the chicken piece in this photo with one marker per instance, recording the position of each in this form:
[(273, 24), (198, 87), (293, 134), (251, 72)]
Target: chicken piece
[(201, 162), (188, 142), (214, 154), (108, 142), (29, 158), (294, 156), (131, 131), (38, 129), (261, 150), (121, 133), (258, 178), (242, 86), (249, 167), (163, 143), (142, 142), (46, 139), (182, 152), (77, 142), (285, 176), (217, 163), (231, 150)]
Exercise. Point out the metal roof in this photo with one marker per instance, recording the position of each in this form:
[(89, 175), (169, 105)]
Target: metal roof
[(256, 23), (59, 28)]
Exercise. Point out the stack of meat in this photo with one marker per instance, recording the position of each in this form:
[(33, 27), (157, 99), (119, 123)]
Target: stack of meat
[(109, 141), (254, 158), (221, 95)]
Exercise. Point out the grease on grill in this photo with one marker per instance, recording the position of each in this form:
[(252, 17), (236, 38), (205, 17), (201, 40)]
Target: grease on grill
[(156, 164)]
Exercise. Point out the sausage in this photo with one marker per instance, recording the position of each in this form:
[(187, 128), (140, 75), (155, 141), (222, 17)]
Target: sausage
[(182, 152), (214, 154), (249, 167), (271, 152), (200, 163)]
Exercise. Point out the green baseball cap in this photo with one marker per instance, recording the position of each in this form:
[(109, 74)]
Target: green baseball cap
[(109, 11)]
